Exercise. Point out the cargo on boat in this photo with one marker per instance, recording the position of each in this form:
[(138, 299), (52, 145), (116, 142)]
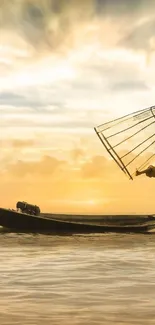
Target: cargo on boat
[(28, 208)]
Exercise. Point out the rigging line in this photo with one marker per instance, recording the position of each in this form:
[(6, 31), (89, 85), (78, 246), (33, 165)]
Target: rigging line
[(138, 145), (116, 145), (120, 120), (117, 159), (130, 127), (146, 161), (140, 153), (108, 150), (152, 111), (125, 118), (127, 115)]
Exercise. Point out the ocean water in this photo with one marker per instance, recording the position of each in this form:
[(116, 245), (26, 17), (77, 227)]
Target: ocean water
[(96, 279)]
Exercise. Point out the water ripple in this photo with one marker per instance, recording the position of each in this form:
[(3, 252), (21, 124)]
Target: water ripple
[(106, 279)]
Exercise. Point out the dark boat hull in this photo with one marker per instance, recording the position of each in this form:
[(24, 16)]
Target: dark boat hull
[(55, 224)]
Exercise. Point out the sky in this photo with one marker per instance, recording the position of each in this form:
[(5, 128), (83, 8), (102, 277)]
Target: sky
[(65, 68)]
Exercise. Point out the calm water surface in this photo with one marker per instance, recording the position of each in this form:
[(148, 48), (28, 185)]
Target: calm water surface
[(106, 279)]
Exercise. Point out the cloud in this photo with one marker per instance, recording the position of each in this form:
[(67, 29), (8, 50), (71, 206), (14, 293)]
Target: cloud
[(56, 185), (129, 86), (97, 167), (31, 99), (44, 23), (44, 119), (141, 37), (17, 143), (43, 168), (83, 31), (13, 99), (77, 154), (47, 26)]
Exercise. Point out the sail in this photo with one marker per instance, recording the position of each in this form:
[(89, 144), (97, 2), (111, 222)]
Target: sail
[(130, 140)]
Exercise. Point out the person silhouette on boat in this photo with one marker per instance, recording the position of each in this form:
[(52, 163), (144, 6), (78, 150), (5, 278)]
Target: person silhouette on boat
[(149, 171)]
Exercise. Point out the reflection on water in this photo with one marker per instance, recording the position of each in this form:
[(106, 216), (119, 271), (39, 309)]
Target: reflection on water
[(106, 279)]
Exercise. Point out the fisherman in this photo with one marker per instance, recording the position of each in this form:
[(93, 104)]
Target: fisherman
[(149, 171)]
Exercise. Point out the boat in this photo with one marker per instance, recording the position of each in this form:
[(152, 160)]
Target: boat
[(60, 224)]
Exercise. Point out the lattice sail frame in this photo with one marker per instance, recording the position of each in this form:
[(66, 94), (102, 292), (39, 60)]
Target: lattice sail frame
[(129, 138)]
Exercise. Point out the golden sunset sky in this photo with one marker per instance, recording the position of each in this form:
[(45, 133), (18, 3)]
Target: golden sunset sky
[(65, 67)]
